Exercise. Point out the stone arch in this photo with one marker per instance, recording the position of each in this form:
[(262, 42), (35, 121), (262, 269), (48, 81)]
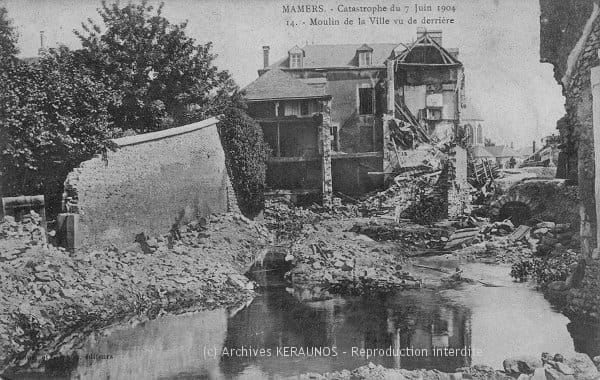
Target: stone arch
[(517, 207)]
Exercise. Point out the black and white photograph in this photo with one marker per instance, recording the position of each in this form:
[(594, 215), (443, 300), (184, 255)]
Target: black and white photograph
[(316, 189)]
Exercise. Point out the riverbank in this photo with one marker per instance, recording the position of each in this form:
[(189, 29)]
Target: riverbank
[(55, 298), (576, 367), (51, 299)]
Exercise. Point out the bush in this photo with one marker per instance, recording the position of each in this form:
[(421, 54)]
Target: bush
[(544, 270), (246, 153)]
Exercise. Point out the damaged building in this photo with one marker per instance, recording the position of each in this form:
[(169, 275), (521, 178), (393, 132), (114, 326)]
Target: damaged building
[(343, 118)]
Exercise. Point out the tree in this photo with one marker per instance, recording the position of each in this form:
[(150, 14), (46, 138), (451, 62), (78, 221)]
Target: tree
[(246, 153), (8, 39), (54, 116), (163, 77)]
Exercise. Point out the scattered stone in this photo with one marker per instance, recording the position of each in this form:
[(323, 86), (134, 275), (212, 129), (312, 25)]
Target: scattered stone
[(553, 374), (549, 225), (521, 364), (562, 367), (583, 366)]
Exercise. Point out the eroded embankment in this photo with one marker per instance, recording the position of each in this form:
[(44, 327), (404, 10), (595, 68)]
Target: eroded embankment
[(51, 298)]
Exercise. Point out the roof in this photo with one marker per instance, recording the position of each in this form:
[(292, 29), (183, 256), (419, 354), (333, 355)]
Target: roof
[(275, 85), (500, 151), (479, 151), (342, 55), (526, 151), (427, 51), (345, 55)]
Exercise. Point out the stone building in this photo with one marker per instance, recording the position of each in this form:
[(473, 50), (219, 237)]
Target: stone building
[(365, 107)]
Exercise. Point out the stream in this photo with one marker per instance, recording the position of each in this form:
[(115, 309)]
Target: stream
[(489, 322)]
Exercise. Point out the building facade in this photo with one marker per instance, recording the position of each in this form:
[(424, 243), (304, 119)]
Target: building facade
[(375, 102)]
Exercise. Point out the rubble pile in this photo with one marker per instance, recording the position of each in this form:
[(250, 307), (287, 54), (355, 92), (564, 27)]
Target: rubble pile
[(331, 257), (287, 221), (401, 194), (52, 298), (576, 367), (411, 238), (503, 242), (347, 264)]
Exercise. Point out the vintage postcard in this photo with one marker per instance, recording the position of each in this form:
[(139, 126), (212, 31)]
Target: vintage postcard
[(273, 189)]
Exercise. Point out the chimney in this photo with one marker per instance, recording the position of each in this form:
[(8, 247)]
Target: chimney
[(266, 56), (533, 146), (42, 48), (512, 146)]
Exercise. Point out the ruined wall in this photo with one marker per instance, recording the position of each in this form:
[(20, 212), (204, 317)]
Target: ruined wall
[(350, 175), (356, 131), (459, 194), (570, 39), (149, 183)]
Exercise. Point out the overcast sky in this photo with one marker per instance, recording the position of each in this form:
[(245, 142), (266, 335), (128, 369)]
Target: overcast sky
[(498, 41)]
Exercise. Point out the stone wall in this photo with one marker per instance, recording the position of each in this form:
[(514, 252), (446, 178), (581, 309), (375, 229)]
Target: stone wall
[(585, 299), (151, 182), (570, 39)]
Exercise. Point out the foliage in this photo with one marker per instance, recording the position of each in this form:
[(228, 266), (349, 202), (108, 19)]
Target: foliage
[(54, 116), (246, 153), (163, 77), (545, 269), (488, 142), (8, 39)]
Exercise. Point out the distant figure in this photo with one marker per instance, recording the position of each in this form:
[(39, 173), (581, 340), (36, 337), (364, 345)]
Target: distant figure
[(512, 163)]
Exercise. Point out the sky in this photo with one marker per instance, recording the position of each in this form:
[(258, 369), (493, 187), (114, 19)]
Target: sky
[(498, 42)]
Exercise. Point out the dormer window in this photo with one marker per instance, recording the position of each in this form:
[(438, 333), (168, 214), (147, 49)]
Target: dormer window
[(365, 55), (295, 61), (364, 58), (296, 56)]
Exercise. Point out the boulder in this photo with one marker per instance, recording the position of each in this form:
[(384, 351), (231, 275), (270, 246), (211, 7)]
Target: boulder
[(539, 374), (521, 364), (548, 225), (553, 374), (563, 368), (583, 366), (597, 361)]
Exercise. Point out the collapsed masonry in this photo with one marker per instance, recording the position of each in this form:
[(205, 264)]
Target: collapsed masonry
[(347, 119), (152, 183)]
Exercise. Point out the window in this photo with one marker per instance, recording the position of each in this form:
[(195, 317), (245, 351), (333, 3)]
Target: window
[(304, 108), (335, 138), (292, 109), (295, 60), (366, 101), (434, 113), (364, 58)]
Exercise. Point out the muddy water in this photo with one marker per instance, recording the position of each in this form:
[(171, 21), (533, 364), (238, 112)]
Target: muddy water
[(489, 322)]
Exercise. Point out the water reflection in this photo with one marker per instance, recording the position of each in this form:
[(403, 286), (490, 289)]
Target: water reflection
[(502, 321), (419, 321)]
